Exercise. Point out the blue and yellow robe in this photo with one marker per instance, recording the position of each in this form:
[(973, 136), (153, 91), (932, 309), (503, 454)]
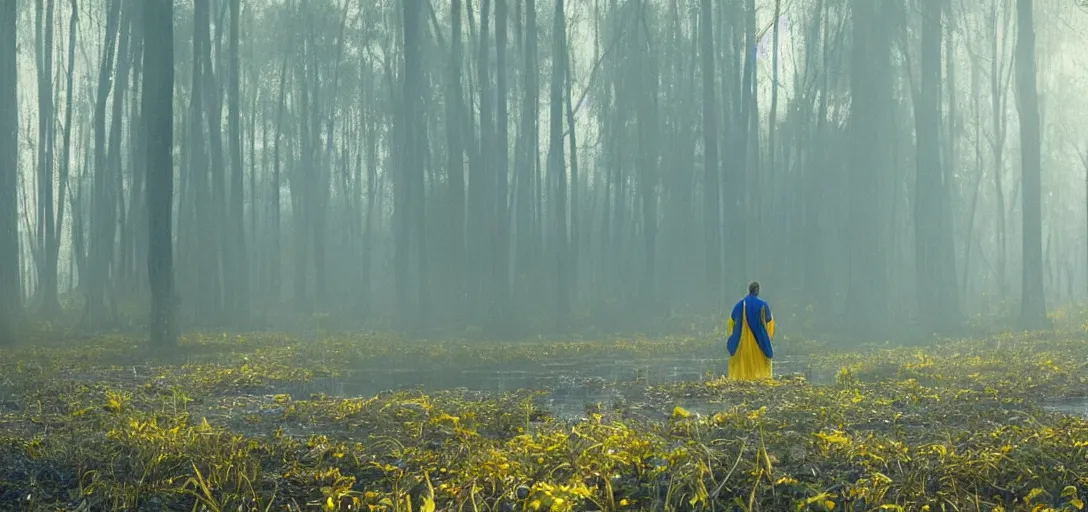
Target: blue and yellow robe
[(751, 328)]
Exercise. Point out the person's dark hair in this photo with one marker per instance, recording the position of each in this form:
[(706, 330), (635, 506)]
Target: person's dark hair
[(753, 288)]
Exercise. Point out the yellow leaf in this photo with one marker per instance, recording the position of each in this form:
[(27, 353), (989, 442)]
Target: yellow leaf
[(680, 412), (1078, 503)]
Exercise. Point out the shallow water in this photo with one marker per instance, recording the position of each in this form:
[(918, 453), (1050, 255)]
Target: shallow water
[(1070, 406), (571, 386), (588, 374)]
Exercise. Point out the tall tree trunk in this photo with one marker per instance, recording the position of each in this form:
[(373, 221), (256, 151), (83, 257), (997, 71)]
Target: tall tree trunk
[(575, 202), (937, 313), (455, 165), (10, 288), (648, 162), (481, 187), (113, 210), (221, 248), (239, 277), (999, 86), (711, 186), (274, 266), (557, 173), (101, 220), (501, 237), (871, 94), (1033, 303), (50, 304), (773, 167), (977, 187), (528, 171), (65, 164), (158, 116), (409, 207)]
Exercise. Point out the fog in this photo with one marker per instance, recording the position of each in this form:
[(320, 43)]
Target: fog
[(521, 168)]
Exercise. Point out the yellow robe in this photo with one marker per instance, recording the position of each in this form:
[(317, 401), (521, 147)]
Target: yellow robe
[(749, 363)]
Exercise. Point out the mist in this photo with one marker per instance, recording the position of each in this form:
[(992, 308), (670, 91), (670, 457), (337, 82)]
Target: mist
[(522, 255), (524, 168)]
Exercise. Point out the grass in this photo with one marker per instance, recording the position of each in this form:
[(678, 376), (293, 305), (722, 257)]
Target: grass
[(106, 424)]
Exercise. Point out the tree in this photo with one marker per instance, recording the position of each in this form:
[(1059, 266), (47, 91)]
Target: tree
[(48, 240), (157, 107), (239, 286), (938, 310), (102, 214), (871, 97), (409, 204), (10, 294), (500, 240), (557, 172), (711, 188), (1033, 303), (455, 166)]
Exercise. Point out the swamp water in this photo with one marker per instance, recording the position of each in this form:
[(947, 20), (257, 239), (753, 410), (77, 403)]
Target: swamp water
[(1071, 406), (568, 386)]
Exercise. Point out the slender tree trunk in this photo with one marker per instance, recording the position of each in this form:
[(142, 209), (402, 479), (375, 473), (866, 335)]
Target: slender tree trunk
[(501, 237), (648, 162), (221, 247), (528, 171), (239, 277), (773, 167), (711, 185), (937, 313), (158, 101), (10, 288), (50, 304), (455, 165), (557, 172), (101, 220), (976, 189), (575, 182), (65, 164), (999, 86), (410, 206), (274, 266), (1033, 303), (868, 126)]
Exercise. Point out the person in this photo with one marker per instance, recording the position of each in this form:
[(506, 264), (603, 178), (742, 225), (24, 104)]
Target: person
[(751, 329)]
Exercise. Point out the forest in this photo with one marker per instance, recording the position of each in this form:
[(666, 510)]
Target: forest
[(509, 168), (481, 254)]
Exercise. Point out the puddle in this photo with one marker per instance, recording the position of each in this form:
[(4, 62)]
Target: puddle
[(1070, 406)]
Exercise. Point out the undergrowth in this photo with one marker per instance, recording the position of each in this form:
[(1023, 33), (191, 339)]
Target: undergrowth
[(106, 424)]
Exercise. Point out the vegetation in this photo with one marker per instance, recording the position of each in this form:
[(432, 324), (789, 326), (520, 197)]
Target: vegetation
[(538, 166), (107, 424)]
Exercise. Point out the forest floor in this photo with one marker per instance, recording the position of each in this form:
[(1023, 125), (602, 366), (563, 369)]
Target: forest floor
[(275, 422)]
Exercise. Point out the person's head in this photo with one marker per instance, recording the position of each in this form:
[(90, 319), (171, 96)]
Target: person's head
[(753, 288)]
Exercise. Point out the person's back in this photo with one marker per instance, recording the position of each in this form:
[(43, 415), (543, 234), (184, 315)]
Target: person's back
[(751, 328)]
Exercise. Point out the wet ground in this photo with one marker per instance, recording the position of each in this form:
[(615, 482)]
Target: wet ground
[(569, 386), (1070, 406)]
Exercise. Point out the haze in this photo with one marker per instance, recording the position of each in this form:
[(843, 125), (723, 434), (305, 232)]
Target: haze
[(507, 169)]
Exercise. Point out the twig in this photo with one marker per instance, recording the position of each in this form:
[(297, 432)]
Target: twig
[(714, 495)]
